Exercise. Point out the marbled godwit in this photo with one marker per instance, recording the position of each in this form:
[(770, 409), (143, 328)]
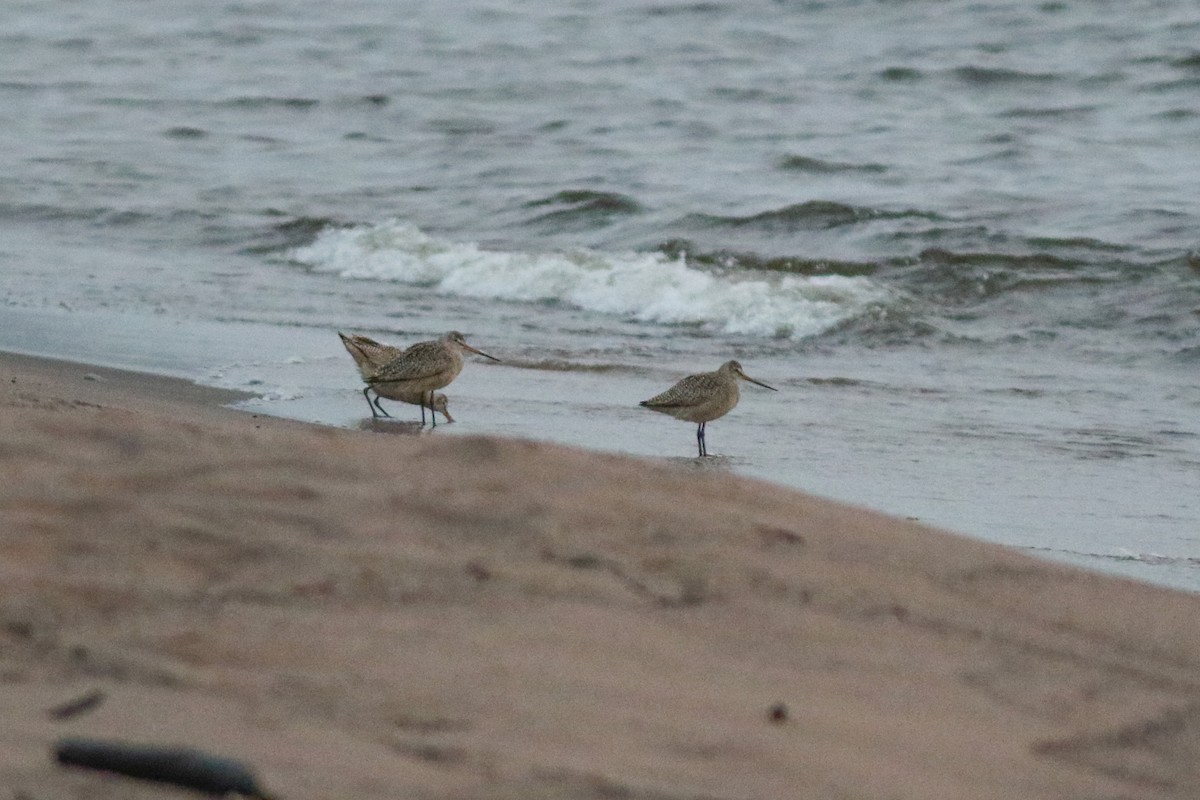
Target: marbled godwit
[(424, 367), (369, 356), (703, 398)]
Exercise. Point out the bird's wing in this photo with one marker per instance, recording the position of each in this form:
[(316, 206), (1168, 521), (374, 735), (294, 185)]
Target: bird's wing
[(688, 392), (368, 354), (422, 360)]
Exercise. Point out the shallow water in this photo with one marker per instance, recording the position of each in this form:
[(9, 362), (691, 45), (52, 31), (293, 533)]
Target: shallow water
[(957, 236)]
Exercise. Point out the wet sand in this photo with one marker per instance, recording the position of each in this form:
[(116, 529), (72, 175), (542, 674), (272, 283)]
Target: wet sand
[(875, 434), (442, 617)]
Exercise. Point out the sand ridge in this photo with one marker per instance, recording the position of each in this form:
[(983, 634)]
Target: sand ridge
[(424, 616)]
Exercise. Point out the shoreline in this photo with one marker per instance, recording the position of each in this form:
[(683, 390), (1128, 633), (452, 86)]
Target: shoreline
[(468, 615), (1065, 494)]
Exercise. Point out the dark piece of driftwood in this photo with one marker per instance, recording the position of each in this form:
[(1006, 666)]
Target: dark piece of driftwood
[(180, 766)]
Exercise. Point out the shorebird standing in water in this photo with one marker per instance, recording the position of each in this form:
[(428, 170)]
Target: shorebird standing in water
[(369, 355), (422, 368), (703, 398)]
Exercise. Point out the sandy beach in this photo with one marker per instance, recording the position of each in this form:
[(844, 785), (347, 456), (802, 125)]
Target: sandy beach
[(369, 616)]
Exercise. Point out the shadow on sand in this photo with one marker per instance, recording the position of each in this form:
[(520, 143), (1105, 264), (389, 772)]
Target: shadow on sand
[(392, 426), (709, 463)]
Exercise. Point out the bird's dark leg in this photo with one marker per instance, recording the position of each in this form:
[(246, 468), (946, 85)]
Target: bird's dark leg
[(700, 440), (432, 413), (422, 404), (370, 404), (380, 407)]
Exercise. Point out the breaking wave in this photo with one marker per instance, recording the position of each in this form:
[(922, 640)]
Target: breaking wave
[(647, 287)]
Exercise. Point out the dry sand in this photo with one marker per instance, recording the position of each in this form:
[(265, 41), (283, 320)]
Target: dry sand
[(367, 616)]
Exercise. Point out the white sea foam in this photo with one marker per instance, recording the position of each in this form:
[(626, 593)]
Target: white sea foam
[(648, 287)]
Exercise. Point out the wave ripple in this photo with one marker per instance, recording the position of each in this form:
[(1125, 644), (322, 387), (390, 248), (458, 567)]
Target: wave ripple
[(647, 287)]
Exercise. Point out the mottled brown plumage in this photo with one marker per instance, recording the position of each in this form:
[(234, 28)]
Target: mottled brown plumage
[(702, 398), (369, 356), (423, 367)]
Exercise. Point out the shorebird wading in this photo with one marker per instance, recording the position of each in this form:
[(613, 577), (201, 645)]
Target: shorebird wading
[(369, 355), (422, 368), (703, 398)]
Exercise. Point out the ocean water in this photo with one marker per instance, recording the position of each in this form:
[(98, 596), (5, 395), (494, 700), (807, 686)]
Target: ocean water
[(960, 237)]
